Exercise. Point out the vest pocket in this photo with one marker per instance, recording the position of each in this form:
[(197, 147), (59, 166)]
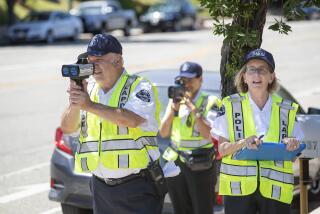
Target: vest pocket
[(125, 159), (86, 162)]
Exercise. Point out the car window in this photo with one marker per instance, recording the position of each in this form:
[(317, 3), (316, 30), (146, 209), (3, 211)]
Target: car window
[(91, 10), (164, 8), (37, 17), (282, 92), (113, 8)]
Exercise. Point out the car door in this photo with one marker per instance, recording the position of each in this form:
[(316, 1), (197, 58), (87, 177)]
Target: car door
[(57, 25), (115, 17), (187, 15), (310, 125)]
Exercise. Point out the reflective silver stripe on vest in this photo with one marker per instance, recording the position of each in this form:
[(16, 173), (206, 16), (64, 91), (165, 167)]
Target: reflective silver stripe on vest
[(148, 141), (88, 147), (237, 116), (276, 192), (285, 108), (277, 176), (122, 130), (193, 143), (84, 165), (238, 170), (279, 164), (235, 187), (128, 144), (123, 161), (124, 95), (202, 109)]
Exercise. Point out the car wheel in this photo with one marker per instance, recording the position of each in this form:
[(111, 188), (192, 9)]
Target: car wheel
[(315, 187), (69, 209), (75, 35), (49, 37), (177, 26), (126, 30), (104, 28)]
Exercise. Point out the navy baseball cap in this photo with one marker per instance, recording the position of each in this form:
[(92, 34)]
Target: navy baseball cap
[(190, 70), (260, 54), (102, 44)]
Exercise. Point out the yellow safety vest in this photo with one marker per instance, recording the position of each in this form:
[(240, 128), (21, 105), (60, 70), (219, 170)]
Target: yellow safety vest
[(186, 138), (116, 147), (240, 177)]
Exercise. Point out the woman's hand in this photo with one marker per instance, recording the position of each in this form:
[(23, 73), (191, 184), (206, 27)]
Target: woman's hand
[(252, 142), (292, 143)]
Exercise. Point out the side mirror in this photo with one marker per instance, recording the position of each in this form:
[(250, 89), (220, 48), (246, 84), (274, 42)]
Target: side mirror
[(312, 110)]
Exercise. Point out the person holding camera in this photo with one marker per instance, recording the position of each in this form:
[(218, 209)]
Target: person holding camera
[(192, 191), (116, 117), (253, 115)]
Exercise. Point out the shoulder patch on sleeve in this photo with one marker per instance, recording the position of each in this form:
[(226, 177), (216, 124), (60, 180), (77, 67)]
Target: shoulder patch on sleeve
[(144, 95), (221, 111)]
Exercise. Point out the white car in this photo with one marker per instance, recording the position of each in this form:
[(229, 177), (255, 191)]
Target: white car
[(46, 26)]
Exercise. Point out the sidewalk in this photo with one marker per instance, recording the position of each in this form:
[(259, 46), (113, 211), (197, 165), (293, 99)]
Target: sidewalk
[(316, 211)]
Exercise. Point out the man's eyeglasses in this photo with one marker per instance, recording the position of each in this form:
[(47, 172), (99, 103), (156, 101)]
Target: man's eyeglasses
[(261, 70)]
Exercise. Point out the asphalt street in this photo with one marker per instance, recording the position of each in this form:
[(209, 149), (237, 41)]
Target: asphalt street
[(33, 95)]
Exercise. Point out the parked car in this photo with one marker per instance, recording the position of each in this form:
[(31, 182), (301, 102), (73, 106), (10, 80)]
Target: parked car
[(72, 189), (103, 16), (307, 12), (46, 26), (170, 15)]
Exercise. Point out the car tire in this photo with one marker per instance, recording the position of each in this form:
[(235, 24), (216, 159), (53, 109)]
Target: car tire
[(49, 37), (75, 35), (126, 30), (315, 187), (69, 209), (104, 28), (177, 26)]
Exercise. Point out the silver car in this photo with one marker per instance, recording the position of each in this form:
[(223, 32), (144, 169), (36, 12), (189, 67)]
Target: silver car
[(45, 26), (72, 190)]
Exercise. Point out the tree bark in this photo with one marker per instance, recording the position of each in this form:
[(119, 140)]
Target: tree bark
[(257, 23), (10, 13)]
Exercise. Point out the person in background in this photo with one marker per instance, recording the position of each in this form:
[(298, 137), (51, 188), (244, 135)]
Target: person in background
[(185, 121)]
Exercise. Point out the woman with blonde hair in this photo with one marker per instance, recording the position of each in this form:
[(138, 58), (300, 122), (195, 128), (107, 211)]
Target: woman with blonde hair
[(253, 115)]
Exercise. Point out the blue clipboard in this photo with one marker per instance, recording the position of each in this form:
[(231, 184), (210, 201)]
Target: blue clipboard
[(269, 151)]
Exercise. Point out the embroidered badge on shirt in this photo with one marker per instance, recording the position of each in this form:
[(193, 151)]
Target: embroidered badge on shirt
[(144, 95), (221, 111)]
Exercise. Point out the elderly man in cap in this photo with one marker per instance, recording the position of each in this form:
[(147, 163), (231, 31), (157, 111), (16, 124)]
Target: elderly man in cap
[(116, 117), (186, 122)]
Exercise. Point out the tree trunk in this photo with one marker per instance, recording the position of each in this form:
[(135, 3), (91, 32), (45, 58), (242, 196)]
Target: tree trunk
[(10, 13), (257, 23)]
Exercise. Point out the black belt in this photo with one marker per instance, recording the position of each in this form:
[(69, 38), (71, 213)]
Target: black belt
[(118, 181)]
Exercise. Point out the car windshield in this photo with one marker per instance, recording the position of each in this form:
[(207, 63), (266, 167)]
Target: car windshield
[(90, 10), (163, 97), (32, 17), (164, 8)]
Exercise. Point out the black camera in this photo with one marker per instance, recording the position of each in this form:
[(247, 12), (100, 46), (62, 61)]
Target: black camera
[(78, 71), (177, 92)]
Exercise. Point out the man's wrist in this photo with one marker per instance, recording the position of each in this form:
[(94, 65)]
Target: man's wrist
[(197, 114)]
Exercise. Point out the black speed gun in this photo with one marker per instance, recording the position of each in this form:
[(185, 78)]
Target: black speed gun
[(78, 71)]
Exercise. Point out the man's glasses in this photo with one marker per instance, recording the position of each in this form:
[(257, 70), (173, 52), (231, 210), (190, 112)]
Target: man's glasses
[(261, 70)]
